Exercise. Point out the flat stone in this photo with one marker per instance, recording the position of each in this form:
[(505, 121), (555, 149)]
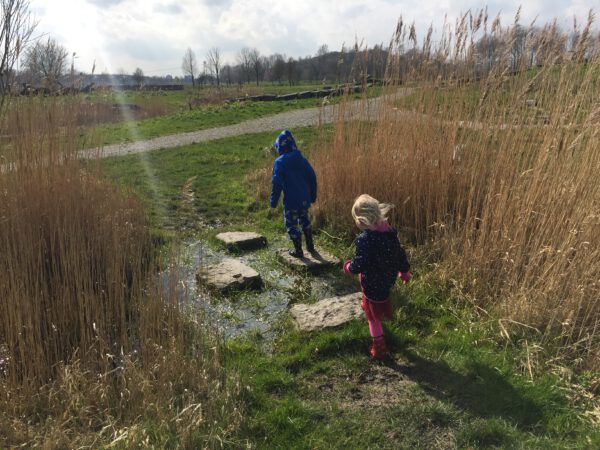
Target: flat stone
[(229, 274), (243, 240), (329, 312), (320, 259)]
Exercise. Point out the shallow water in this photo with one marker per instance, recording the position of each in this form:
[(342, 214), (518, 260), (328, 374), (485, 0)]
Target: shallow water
[(254, 313)]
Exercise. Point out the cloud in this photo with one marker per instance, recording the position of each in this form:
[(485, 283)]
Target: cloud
[(172, 8), (105, 3), (142, 49)]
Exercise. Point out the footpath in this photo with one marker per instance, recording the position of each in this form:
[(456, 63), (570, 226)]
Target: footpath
[(358, 109)]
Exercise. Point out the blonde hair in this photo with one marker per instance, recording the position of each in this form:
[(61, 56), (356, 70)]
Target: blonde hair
[(367, 212)]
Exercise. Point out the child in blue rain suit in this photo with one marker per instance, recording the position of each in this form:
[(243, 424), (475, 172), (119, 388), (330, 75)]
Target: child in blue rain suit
[(294, 175)]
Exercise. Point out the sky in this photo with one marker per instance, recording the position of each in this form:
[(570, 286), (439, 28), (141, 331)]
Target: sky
[(121, 35)]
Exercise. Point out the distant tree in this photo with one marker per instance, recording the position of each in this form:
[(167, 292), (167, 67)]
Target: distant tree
[(138, 76), (256, 63), (291, 71), (228, 74), (244, 62), (214, 63), (16, 30), (122, 76), (278, 68), (321, 61), (518, 36), (377, 61), (189, 65), (46, 62), (265, 67), (489, 50)]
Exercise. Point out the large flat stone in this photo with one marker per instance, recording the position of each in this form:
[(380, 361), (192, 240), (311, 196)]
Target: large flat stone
[(311, 261), (329, 312), (229, 274), (242, 240)]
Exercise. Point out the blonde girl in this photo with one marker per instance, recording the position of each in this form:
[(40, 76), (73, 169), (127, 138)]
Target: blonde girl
[(379, 261)]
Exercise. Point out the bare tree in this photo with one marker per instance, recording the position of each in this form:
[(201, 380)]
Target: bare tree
[(16, 30), (518, 36), (214, 63), (228, 74), (46, 62), (321, 61), (256, 63), (278, 68), (244, 61), (189, 65), (138, 76), (291, 70)]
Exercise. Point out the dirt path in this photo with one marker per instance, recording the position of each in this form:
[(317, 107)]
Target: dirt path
[(290, 119)]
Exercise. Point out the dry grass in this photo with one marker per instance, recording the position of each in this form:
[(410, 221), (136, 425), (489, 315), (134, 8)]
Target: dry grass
[(94, 349), (496, 165)]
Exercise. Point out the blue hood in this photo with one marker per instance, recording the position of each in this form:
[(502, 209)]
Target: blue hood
[(285, 142)]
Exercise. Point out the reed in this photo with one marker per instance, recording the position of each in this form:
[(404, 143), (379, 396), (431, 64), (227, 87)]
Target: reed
[(94, 348), (487, 143)]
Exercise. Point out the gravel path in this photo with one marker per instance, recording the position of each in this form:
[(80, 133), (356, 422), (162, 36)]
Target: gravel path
[(290, 119)]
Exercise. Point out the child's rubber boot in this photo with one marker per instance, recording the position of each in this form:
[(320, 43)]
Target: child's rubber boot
[(378, 350), (309, 240), (297, 251)]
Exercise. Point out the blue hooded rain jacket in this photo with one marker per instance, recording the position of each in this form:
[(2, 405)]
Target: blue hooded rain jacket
[(293, 175)]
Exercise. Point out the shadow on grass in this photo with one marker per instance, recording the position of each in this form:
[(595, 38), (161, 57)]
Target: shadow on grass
[(481, 391)]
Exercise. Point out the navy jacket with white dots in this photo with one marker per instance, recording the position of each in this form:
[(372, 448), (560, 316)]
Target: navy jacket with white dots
[(379, 258)]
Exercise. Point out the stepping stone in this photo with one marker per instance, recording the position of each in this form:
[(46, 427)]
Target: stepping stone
[(329, 312), (320, 259), (242, 240), (229, 274)]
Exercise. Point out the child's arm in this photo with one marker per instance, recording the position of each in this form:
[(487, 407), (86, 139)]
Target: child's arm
[(403, 266), (277, 184), (312, 181), (360, 261)]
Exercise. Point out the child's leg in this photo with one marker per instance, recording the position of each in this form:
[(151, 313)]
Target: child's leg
[(375, 327), (290, 219), (304, 220), (378, 349)]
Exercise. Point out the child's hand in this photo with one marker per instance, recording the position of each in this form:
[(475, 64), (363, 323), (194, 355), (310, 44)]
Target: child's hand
[(405, 276), (346, 267)]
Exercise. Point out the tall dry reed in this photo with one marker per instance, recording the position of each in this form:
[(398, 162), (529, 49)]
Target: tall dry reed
[(490, 151), (94, 350)]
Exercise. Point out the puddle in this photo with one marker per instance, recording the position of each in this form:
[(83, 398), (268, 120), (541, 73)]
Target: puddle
[(254, 313)]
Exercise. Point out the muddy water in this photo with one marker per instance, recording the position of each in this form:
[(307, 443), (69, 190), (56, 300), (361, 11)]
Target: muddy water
[(256, 313)]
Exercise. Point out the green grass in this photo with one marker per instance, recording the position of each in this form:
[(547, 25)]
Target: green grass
[(453, 382), (218, 168), (447, 387)]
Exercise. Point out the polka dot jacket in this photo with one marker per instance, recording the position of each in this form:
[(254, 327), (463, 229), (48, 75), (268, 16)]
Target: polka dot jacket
[(379, 258)]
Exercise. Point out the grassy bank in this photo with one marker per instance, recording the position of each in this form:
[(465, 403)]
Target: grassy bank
[(455, 381)]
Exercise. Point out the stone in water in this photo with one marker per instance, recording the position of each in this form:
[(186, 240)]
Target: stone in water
[(229, 274), (242, 240)]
